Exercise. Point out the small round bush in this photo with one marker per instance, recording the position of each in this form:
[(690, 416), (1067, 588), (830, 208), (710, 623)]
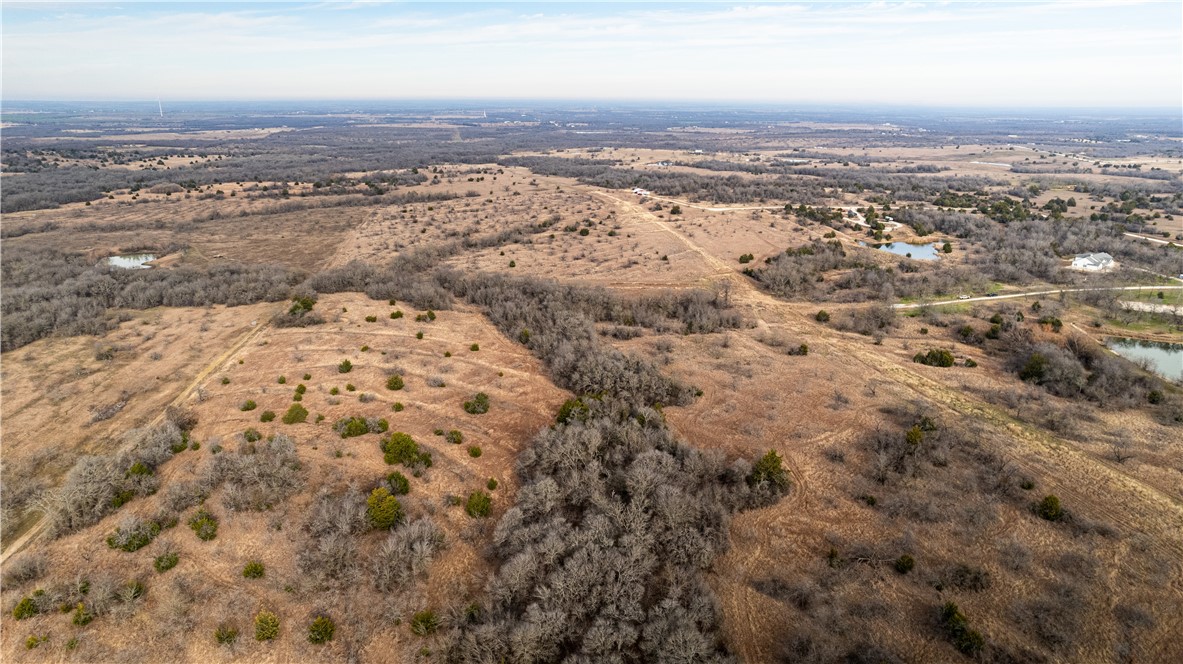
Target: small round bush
[(225, 380), (134, 538), (395, 382), (350, 387), (204, 525), (474, 451), (345, 367), (307, 376), (418, 335), (1049, 508), (479, 404), (822, 316), (904, 564), (282, 380), (296, 414), (225, 634), (266, 626), (424, 623), (82, 617), (321, 630), (253, 570), (251, 435), (474, 348), (399, 484), (396, 314), (399, 447), (247, 405), (770, 471), (267, 416), (166, 561), (133, 589), (398, 407), (491, 485), (26, 608), (454, 437), (335, 391), (382, 509), (478, 505)]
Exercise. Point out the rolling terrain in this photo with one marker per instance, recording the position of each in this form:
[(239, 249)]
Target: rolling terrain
[(639, 357)]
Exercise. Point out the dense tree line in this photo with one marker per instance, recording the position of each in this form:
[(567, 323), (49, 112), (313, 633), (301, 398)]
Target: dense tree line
[(557, 322), (720, 189), (47, 292), (798, 272), (725, 189), (1031, 249), (50, 292), (899, 185), (601, 558), (826, 271), (736, 189), (310, 155), (1081, 369)]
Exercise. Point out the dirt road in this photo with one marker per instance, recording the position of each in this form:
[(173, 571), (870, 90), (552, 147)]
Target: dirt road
[(1127, 499), (1057, 291), (38, 528)]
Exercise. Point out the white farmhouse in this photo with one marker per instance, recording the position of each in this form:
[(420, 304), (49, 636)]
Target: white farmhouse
[(1095, 262)]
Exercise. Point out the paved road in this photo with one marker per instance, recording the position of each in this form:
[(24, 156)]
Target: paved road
[(710, 208), (1031, 293), (1151, 239)]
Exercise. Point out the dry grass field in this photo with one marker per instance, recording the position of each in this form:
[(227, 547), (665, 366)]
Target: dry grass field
[(245, 362)]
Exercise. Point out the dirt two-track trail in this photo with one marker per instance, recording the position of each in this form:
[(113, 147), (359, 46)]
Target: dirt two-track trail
[(37, 529), (1125, 499)]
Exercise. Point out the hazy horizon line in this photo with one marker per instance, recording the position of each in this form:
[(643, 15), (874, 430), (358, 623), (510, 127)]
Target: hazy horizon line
[(751, 104)]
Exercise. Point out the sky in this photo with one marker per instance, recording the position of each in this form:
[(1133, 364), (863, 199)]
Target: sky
[(1066, 53)]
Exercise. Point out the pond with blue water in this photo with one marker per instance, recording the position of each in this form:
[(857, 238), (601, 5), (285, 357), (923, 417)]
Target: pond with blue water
[(131, 261), (921, 252), (1164, 359)]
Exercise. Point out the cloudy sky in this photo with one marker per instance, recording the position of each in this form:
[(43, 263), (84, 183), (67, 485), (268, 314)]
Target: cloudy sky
[(997, 54)]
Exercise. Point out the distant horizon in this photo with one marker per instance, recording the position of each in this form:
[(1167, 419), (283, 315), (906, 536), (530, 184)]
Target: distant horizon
[(1095, 54), (504, 103)]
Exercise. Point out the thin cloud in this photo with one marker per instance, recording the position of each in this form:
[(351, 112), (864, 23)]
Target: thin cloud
[(1015, 52)]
